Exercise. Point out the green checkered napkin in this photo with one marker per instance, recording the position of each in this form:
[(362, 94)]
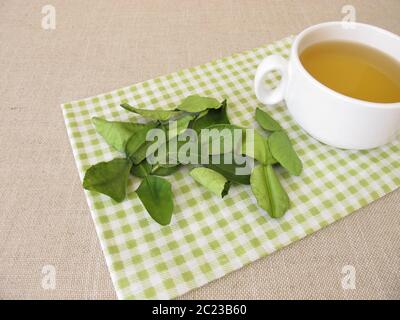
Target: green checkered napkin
[(209, 236)]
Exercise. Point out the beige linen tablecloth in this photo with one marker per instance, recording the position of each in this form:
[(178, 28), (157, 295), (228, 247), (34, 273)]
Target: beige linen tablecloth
[(98, 46)]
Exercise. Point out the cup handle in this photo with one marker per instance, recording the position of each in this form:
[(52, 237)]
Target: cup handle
[(271, 63)]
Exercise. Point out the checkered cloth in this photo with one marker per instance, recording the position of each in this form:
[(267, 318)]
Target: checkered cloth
[(209, 236)]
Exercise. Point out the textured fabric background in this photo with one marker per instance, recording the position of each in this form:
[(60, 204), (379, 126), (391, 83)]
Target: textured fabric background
[(102, 45)]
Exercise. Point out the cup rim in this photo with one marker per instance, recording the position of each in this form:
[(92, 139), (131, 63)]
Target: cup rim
[(380, 105)]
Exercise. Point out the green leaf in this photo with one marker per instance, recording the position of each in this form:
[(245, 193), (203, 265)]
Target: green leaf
[(229, 171), (203, 113), (171, 130), (109, 178), (166, 170), (167, 165), (156, 196), (219, 138), (116, 133), (266, 121), (140, 154), (224, 139), (282, 150), (177, 127), (211, 180), (221, 126), (260, 151), (156, 115), (268, 191), (197, 103), (136, 141), (212, 116), (142, 169), (174, 156)]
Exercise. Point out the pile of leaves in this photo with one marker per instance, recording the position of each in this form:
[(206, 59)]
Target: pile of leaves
[(197, 113)]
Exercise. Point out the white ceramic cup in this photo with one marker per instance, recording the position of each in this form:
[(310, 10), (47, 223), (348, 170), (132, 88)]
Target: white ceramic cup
[(329, 116)]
